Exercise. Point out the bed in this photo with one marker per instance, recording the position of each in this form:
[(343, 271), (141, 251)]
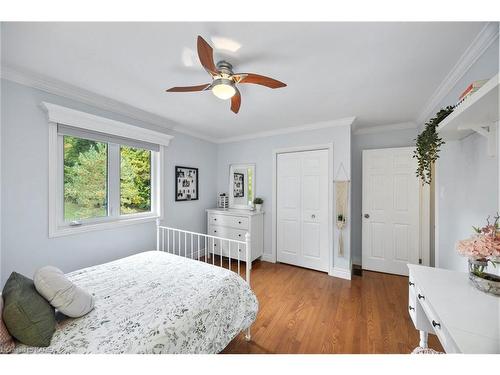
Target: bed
[(156, 302)]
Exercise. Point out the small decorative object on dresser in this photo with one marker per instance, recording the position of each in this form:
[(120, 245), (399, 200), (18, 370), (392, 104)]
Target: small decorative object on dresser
[(483, 249), (258, 204), (186, 184), (223, 201)]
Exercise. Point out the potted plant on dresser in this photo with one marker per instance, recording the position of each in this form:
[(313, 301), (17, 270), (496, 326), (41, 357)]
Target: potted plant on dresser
[(482, 250), (258, 204)]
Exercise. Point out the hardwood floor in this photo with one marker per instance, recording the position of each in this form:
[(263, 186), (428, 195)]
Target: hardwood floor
[(304, 311)]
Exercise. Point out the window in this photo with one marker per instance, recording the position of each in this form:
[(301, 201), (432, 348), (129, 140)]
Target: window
[(100, 179), (104, 178), (135, 180), (85, 179)]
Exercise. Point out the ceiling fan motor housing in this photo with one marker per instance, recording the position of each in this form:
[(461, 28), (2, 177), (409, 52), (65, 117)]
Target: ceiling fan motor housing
[(225, 68)]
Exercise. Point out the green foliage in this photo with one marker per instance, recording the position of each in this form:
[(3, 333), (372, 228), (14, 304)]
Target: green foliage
[(428, 145), (135, 180), (476, 229), (85, 179), (258, 200)]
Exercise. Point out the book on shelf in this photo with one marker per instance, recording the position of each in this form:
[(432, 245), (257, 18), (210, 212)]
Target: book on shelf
[(474, 86), (471, 89)]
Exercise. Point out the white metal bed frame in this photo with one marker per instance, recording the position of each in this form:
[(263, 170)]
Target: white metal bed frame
[(195, 245)]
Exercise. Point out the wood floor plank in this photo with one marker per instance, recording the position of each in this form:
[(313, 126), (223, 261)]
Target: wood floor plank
[(305, 311)]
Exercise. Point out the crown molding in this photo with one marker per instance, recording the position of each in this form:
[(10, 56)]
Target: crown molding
[(385, 128), (347, 121), (194, 134), (487, 35), (56, 87)]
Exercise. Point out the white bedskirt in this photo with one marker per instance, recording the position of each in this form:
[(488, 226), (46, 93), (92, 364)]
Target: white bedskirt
[(155, 302)]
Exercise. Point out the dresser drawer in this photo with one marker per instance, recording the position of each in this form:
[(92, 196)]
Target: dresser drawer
[(239, 222), (417, 314), (435, 324), (227, 248)]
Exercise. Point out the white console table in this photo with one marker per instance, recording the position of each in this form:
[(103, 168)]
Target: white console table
[(444, 303)]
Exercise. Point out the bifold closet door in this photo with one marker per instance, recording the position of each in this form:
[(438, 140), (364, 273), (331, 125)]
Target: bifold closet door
[(302, 209)]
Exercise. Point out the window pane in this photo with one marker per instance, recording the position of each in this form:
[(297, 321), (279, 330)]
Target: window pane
[(85, 178), (135, 180)]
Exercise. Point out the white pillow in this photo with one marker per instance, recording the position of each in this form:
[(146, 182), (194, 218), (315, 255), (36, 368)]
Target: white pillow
[(61, 293)]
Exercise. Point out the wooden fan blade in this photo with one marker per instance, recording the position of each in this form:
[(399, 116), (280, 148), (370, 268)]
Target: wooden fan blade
[(206, 55), (189, 88), (236, 101), (257, 79)]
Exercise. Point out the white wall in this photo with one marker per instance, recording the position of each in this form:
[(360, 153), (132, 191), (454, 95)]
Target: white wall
[(260, 152), (467, 178), (24, 186), (360, 142)]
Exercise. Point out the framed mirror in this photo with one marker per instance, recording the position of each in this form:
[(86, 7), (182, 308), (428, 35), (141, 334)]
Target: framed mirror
[(241, 186)]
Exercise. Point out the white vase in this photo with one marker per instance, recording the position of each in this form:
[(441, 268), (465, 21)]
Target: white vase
[(258, 207)]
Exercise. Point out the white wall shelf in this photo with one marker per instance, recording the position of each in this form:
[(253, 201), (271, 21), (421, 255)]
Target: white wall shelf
[(479, 113)]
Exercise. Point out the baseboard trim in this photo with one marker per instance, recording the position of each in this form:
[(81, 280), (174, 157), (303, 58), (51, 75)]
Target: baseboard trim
[(357, 270), (268, 258), (341, 273)]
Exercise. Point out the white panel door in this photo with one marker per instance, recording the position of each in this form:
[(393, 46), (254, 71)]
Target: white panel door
[(390, 212), (302, 209)]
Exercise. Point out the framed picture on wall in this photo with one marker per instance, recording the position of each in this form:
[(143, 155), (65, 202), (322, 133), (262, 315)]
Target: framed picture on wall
[(238, 185), (186, 184)]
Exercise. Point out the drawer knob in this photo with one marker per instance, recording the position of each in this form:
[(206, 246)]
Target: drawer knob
[(239, 222), (410, 283), (215, 231), (239, 235), (436, 324), (215, 219), (420, 296), (411, 308)]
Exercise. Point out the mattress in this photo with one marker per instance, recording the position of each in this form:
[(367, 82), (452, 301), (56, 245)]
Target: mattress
[(155, 302)]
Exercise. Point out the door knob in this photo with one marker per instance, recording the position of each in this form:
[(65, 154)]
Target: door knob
[(367, 216)]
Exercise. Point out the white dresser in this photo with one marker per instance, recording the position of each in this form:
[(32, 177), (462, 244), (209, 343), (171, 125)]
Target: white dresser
[(444, 303), (234, 224)]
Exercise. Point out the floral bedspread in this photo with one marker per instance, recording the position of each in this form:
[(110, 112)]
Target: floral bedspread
[(155, 302)]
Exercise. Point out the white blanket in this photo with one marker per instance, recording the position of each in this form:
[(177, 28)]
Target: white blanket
[(156, 302)]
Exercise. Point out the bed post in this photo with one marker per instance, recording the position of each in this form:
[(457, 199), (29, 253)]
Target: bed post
[(248, 266), (158, 234)]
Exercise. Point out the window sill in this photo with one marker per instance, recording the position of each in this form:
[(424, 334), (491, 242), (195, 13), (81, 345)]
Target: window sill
[(68, 231)]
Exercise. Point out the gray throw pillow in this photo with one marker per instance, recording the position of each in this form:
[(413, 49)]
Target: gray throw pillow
[(61, 293), (26, 314)]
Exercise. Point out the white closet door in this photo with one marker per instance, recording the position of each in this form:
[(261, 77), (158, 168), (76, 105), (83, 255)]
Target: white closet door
[(390, 210), (302, 209)]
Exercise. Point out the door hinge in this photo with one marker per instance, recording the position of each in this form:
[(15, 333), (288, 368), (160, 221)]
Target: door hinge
[(420, 261)]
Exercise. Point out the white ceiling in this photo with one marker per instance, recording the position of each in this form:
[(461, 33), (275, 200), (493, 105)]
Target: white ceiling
[(382, 73)]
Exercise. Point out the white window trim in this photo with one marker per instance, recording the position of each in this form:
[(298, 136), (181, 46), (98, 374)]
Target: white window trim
[(61, 115)]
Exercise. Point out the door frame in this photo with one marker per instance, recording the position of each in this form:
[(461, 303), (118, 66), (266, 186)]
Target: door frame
[(424, 220), (276, 152)]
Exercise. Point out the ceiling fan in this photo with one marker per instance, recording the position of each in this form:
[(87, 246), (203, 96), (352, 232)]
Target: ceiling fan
[(224, 81)]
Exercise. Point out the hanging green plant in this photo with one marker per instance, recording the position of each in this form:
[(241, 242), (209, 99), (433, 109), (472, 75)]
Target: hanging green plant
[(429, 144)]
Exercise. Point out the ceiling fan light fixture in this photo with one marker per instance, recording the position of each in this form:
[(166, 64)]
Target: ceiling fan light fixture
[(223, 88)]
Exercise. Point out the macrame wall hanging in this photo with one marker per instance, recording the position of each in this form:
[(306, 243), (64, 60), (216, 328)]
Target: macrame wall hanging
[(341, 204)]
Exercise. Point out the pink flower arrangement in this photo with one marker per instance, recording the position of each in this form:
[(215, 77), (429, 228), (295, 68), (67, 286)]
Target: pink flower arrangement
[(484, 244)]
